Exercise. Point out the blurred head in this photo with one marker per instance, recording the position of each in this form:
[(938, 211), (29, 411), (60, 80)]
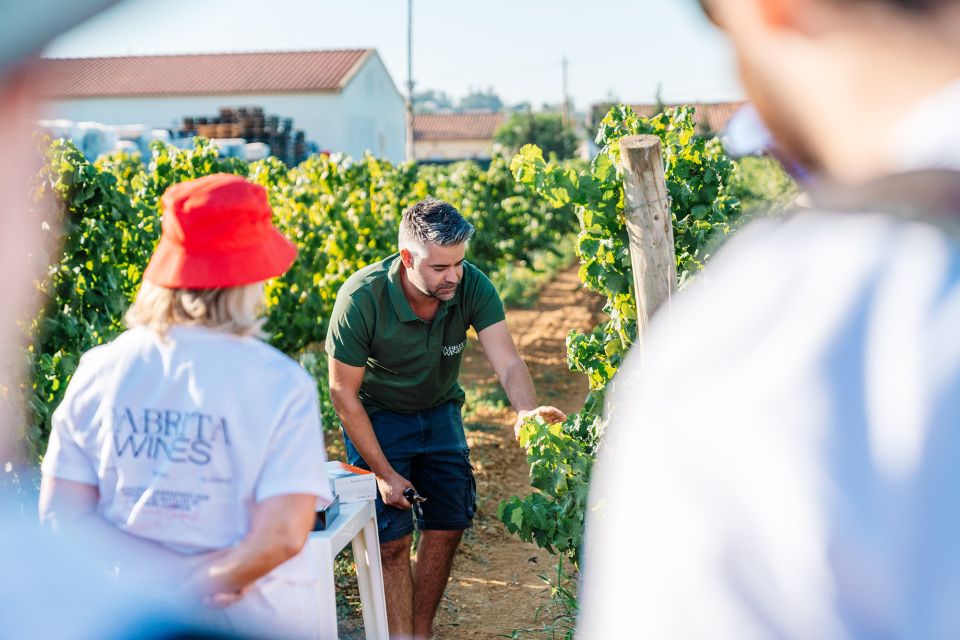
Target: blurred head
[(830, 77), (433, 241)]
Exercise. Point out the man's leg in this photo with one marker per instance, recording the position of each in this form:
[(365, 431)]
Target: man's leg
[(434, 560), (398, 587), (398, 435), (444, 476)]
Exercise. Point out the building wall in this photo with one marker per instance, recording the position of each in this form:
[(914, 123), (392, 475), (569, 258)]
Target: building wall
[(453, 149), (366, 116), (373, 112)]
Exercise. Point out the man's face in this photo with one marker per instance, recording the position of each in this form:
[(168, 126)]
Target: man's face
[(438, 274), (771, 70)]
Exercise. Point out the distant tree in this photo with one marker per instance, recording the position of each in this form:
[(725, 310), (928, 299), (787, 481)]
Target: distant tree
[(660, 104), (430, 100), (545, 130), (479, 100)]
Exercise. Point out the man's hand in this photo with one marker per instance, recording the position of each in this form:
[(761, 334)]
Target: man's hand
[(391, 490), (501, 351), (549, 414)]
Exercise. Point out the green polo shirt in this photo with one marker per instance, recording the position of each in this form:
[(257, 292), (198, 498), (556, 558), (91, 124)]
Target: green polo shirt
[(411, 364)]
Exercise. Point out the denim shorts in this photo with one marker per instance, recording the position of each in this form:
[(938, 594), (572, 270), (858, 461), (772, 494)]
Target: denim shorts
[(428, 448)]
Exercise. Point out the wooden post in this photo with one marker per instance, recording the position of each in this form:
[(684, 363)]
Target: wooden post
[(649, 225)]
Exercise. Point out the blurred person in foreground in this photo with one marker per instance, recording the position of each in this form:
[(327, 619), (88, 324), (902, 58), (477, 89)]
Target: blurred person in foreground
[(187, 438), (51, 587), (783, 463)]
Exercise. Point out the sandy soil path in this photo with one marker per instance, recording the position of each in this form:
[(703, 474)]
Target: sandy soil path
[(494, 587)]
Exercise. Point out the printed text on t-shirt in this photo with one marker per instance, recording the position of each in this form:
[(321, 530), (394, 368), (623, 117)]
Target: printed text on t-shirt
[(177, 435)]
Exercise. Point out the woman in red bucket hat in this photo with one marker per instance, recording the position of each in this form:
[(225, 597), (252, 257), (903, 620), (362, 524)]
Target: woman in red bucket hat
[(190, 442)]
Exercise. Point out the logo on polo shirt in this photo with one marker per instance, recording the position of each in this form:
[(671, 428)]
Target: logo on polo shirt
[(453, 350)]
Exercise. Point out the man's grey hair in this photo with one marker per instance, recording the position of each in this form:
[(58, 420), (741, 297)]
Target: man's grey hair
[(433, 222)]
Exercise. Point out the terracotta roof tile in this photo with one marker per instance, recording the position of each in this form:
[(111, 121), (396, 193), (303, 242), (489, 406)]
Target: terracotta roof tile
[(198, 74), (456, 126)]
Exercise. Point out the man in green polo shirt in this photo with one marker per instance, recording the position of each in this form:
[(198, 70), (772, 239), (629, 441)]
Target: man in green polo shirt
[(395, 346)]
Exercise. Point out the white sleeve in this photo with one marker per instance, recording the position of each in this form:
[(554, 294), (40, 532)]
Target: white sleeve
[(296, 459), (736, 494), (65, 458)]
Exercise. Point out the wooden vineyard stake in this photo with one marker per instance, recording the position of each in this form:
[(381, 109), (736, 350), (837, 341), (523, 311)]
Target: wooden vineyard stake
[(649, 225)]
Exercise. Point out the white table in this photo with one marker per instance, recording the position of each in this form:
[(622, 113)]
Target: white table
[(356, 524)]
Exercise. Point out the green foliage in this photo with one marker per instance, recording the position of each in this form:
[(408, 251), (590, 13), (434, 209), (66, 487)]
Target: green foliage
[(703, 211), (343, 214), (431, 100), (697, 174), (511, 219), (558, 615), (559, 468), (519, 283), (481, 100), (763, 187), (109, 220), (545, 130)]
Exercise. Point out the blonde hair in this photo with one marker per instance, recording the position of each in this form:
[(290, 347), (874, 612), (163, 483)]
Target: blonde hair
[(233, 310)]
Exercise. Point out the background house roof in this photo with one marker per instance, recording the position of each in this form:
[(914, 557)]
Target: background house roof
[(456, 126), (199, 74)]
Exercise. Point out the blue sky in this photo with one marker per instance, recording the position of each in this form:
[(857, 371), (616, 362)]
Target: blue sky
[(622, 48)]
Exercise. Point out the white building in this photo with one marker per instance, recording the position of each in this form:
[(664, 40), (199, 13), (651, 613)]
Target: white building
[(343, 100), (440, 137)]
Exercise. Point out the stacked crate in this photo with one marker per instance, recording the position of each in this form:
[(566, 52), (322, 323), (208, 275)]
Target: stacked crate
[(252, 125)]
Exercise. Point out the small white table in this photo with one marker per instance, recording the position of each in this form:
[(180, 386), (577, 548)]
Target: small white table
[(357, 524)]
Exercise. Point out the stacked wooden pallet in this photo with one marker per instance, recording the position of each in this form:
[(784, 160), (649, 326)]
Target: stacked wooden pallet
[(251, 124)]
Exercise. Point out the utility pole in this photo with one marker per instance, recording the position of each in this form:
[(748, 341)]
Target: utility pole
[(410, 153), (566, 97)]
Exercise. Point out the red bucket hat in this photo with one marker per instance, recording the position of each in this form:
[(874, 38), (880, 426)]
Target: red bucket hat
[(217, 232)]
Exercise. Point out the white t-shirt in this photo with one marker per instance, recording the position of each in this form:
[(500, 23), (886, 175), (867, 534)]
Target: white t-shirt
[(785, 463), (182, 435)]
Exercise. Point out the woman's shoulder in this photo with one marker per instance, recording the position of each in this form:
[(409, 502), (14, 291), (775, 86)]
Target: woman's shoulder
[(106, 354), (283, 364)]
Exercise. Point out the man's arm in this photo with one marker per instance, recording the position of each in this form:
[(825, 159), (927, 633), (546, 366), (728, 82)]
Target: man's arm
[(514, 377), (345, 383)]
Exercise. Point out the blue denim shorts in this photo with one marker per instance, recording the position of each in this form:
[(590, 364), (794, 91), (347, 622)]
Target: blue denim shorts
[(428, 448)]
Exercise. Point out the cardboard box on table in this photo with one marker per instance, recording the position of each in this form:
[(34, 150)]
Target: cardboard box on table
[(351, 484)]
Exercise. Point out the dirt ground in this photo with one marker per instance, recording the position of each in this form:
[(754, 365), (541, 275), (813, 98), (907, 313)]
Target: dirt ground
[(495, 586)]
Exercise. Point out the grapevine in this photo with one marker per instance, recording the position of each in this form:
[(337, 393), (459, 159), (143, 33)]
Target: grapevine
[(703, 212), (342, 213)]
